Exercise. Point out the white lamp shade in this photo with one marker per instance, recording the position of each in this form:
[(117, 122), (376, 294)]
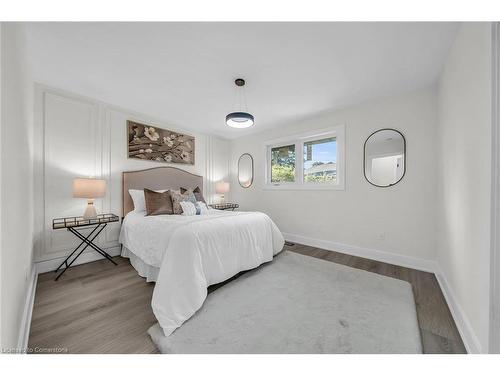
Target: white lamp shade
[(89, 188), (221, 187)]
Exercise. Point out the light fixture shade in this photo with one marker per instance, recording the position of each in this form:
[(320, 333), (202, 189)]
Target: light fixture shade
[(89, 188), (239, 120), (221, 187)]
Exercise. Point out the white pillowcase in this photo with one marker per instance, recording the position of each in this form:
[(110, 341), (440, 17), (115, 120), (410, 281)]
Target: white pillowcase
[(139, 200), (203, 207), (188, 208)]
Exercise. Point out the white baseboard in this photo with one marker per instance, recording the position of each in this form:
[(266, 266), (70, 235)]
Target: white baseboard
[(89, 256), (24, 332), (469, 338), (379, 255), (467, 334)]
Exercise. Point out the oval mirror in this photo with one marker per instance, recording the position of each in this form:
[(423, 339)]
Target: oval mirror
[(245, 170), (385, 157)]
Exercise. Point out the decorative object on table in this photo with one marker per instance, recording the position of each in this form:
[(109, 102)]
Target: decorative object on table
[(240, 119), (225, 206), (74, 225), (221, 188), (152, 143), (245, 170), (89, 188)]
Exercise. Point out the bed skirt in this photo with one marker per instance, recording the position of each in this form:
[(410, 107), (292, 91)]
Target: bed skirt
[(150, 273)]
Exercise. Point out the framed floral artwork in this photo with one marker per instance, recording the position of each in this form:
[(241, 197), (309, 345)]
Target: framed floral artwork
[(152, 143)]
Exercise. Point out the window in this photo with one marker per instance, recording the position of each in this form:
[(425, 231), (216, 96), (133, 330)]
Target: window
[(320, 160), (306, 161), (283, 164)]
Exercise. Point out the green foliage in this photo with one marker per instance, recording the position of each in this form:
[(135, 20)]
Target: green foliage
[(282, 173), (283, 164)]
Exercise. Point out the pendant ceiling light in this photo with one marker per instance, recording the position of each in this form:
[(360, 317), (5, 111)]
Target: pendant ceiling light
[(240, 119)]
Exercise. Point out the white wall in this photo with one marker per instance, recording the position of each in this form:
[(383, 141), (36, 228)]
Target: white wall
[(80, 136), (398, 221), (464, 178), (17, 182), (218, 160)]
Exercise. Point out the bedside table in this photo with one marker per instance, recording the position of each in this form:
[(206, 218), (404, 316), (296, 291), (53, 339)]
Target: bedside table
[(72, 224), (225, 206)]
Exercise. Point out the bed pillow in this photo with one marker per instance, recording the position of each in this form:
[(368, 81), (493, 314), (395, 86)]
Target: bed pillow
[(203, 207), (197, 193), (188, 208), (138, 199), (158, 203), (177, 198)]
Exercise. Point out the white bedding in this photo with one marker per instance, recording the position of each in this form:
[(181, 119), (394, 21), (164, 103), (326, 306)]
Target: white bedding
[(194, 252)]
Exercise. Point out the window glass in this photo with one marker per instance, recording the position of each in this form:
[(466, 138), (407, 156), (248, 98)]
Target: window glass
[(320, 161), (283, 164)]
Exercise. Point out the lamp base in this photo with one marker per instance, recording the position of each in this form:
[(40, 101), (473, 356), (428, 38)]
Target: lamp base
[(222, 200), (90, 212)]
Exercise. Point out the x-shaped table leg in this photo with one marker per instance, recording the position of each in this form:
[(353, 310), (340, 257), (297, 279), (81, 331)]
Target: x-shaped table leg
[(86, 241)]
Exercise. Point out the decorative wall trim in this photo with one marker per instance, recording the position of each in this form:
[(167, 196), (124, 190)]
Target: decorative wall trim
[(379, 255), (24, 331), (107, 158), (86, 257), (469, 338)]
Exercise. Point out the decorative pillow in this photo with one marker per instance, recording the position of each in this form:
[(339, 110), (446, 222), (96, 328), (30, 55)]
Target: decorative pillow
[(188, 208), (202, 208), (158, 203), (177, 198), (197, 193), (139, 200)]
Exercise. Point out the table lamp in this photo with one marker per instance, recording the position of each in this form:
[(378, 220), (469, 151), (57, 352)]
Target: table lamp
[(221, 188), (89, 188)]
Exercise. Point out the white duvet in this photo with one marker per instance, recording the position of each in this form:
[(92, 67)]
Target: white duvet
[(194, 252)]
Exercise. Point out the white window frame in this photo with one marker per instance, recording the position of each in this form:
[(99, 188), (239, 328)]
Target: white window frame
[(298, 140)]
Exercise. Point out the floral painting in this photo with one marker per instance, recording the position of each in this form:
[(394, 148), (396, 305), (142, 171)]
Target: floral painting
[(152, 143)]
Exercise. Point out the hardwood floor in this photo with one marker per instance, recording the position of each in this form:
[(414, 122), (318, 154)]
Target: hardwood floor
[(437, 327), (101, 308)]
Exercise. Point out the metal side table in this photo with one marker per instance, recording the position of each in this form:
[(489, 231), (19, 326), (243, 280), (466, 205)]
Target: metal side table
[(74, 224)]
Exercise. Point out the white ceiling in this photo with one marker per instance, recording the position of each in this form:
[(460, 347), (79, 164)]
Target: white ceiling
[(183, 72)]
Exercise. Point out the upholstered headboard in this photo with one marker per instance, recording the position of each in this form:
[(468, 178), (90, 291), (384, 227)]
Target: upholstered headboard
[(159, 178)]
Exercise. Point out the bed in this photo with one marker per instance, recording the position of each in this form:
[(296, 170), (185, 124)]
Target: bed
[(186, 254)]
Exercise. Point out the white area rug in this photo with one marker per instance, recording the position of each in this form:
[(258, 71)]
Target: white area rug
[(300, 304)]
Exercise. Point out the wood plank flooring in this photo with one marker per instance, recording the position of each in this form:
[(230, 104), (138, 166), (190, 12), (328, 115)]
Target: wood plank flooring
[(101, 308), (437, 327)]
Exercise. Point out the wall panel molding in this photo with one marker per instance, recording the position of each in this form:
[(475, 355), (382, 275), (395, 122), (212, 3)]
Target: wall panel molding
[(80, 136)]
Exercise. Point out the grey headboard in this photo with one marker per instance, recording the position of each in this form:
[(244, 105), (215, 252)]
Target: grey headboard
[(159, 178)]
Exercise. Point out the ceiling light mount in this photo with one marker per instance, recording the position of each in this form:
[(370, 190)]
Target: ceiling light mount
[(240, 119)]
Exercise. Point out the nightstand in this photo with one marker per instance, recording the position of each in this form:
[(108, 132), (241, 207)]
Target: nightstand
[(225, 206), (73, 224)]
